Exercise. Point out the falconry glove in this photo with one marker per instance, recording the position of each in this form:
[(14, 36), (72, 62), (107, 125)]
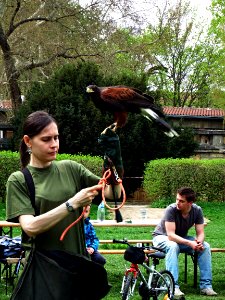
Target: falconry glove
[(110, 145)]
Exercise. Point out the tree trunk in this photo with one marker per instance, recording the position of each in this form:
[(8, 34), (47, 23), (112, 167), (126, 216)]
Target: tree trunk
[(12, 74)]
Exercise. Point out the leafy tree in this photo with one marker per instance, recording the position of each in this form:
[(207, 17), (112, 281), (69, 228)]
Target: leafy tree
[(64, 97), (35, 35), (186, 59), (217, 32), (80, 123)]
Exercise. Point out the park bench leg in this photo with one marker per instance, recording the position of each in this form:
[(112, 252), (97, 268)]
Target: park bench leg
[(194, 258)]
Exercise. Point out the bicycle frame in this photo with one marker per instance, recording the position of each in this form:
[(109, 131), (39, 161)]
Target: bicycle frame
[(152, 272), (137, 273), (134, 268), (158, 285)]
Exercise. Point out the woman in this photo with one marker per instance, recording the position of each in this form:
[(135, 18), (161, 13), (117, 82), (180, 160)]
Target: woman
[(62, 189)]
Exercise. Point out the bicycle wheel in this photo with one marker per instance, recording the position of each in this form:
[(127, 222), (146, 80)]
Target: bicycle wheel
[(163, 286), (128, 285)]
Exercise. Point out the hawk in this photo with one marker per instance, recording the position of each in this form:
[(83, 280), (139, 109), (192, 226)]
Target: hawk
[(121, 100)]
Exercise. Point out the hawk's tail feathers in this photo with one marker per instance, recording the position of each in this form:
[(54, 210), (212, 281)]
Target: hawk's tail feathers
[(152, 116)]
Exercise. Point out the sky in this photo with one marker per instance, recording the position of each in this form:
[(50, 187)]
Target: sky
[(201, 6), (148, 8)]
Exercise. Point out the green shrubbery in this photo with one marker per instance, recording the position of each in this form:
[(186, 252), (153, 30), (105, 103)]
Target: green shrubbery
[(164, 176), (10, 162)]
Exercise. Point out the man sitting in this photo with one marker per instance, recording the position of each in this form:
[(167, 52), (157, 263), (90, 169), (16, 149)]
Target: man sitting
[(171, 235)]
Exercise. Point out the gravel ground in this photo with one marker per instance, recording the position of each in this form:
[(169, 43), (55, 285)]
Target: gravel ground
[(136, 212)]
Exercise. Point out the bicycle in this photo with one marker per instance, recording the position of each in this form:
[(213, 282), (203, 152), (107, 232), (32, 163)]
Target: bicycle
[(158, 285)]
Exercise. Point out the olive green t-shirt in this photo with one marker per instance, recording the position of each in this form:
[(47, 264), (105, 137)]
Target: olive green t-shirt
[(54, 185)]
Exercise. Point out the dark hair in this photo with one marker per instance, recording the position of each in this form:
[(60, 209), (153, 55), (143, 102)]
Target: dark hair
[(188, 193), (33, 125)]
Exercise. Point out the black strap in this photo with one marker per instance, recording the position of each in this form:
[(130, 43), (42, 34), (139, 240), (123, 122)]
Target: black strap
[(31, 187)]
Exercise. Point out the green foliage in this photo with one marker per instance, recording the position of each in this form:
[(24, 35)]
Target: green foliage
[(162, 202), (80, 122), (185, 56), (64, 96), (10, 162), (163, 177), (92, 163), (182, 146)]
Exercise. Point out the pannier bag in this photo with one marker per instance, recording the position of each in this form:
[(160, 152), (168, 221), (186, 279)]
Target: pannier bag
[(134, 254)]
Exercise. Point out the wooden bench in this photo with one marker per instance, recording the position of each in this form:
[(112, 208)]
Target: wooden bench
[(15, 260), (193, 256)]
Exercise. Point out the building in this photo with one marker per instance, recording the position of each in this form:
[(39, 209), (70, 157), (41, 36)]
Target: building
[(6, 130), (208, 125)]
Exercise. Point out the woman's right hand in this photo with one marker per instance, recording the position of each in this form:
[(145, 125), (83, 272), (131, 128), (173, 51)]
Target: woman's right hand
[(85, 196), (34, 225)]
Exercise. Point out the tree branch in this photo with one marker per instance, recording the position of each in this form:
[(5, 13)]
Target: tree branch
[(14, 16), (46, 62)]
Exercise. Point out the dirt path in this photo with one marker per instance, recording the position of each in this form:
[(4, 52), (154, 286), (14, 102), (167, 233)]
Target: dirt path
[(130, 212)]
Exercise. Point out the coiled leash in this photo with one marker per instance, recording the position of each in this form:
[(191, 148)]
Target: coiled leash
[(104, 180)]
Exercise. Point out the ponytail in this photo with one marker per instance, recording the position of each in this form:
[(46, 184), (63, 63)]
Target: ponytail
[(24, 155)]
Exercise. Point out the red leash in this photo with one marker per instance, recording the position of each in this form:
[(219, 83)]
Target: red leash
[(71, 225), (102, 181)]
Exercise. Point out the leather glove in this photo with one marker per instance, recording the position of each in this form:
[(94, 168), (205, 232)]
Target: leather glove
[(110, 145)]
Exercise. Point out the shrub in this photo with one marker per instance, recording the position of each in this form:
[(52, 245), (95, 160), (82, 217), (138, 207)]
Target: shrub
[(164, 176)]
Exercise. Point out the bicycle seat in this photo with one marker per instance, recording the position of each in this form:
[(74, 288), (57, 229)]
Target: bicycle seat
[(157, 254)]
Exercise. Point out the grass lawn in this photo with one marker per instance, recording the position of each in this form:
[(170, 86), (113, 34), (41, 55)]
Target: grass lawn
[(214, 212)]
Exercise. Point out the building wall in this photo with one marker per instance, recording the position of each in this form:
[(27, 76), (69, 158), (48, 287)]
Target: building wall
[(3, 117), (209, 123)]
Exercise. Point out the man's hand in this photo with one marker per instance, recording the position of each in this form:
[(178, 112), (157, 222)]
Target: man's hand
[(196, 245), (199, 246)]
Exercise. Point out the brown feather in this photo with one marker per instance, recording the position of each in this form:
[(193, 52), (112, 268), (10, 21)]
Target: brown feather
[(121, 99), (120, 118)]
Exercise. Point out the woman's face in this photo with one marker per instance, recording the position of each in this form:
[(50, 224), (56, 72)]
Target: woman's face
[(44, 146)]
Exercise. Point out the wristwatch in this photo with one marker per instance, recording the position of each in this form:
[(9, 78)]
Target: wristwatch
[(69, 207)]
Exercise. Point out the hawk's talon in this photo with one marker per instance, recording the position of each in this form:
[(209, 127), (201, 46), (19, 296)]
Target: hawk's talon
[(112, 127)]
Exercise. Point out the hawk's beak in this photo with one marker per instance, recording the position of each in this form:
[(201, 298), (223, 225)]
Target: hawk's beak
[(89, 90)]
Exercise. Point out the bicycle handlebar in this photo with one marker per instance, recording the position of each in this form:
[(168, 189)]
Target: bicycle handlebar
[(125, 242)]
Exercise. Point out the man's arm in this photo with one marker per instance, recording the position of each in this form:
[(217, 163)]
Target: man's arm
[(172, 236), (200, 236)]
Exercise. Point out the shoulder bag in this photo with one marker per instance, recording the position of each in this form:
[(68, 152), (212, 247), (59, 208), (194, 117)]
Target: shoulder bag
[(57, 275)]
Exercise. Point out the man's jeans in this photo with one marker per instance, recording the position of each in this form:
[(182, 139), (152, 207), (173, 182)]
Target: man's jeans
[(173, 249)]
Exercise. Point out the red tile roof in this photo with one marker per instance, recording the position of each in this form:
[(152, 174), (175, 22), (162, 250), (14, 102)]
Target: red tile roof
[(192, 111)]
